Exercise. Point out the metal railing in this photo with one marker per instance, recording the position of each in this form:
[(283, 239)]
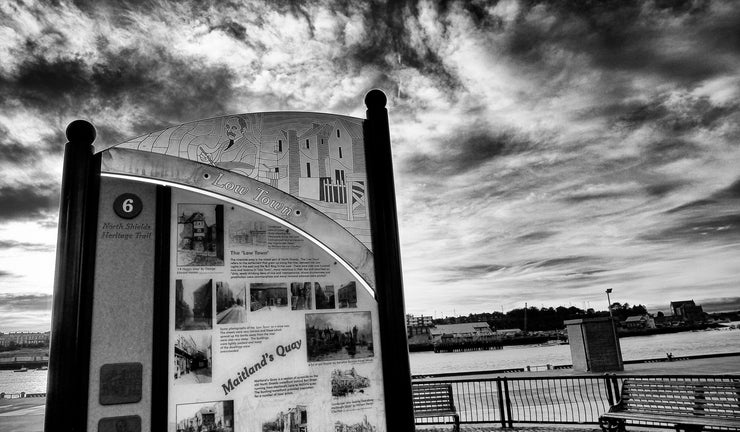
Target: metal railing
[(553, 400), (21, 395)]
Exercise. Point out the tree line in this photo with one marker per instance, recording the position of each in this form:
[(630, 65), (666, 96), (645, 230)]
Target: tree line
[(542, 319)]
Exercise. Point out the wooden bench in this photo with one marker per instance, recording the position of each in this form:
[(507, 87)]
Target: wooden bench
[(435, 400), (688, 405)]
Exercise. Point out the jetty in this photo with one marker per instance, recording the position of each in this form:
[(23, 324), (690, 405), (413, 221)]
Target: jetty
[(467, 345), (24, 362)]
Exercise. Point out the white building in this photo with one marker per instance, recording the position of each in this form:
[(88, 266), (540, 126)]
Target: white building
[(418, 321), (470, 331)]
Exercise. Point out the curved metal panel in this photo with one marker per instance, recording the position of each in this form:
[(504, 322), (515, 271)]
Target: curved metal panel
[(315, 157), (249, 191)]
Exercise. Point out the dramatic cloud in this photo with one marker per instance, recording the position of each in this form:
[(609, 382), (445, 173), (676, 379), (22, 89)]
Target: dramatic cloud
[(30, 302), (544, 150), (26, 312), (12, 244), (27, 202)]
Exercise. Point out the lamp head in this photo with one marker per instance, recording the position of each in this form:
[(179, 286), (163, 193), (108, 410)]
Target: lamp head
[(608, 290)]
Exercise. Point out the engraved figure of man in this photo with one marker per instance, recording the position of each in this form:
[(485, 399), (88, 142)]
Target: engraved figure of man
[(235, 150)]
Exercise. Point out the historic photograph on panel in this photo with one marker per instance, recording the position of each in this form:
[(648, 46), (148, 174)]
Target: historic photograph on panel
[(193, 358), (268, 296), (324, 296), (247, 233), (300, 295), (347, 382), (359, 426), (292, 419), (231, 302), (348, 295), (193, 304), (200, 229), (206, 416), (339, 336)]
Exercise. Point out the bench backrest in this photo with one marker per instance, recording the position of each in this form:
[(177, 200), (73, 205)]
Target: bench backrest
[(433, 398), (718, 399)]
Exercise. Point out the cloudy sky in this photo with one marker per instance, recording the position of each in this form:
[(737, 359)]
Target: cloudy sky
[(544, 150)]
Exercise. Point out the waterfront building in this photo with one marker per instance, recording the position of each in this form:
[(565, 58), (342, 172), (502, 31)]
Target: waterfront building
[(418, 325), (639, 322), (687, 310), (24, 339), (461, 331), (418, 321)]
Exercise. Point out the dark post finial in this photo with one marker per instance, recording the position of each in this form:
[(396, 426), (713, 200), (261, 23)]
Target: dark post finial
[(81, 131), (375, 99)]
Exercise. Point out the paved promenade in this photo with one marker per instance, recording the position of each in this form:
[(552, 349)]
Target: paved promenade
[(22, 415)]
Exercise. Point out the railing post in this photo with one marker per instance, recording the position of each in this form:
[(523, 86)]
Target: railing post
[(609, 394), (615, 386), (507, 399), (500, 391)]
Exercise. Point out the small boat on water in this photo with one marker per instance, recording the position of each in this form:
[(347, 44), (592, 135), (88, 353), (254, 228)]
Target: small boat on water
[(21, 370)]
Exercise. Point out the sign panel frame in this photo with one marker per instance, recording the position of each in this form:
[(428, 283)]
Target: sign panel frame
[(73, 302)]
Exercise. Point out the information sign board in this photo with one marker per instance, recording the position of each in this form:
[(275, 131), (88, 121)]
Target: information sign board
[(269, 332), (256, 239)]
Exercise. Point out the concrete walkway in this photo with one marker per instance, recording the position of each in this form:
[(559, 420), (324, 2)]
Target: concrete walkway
[(22, 415)]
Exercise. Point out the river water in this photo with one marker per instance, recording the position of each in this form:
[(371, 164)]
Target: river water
[(633, 348)]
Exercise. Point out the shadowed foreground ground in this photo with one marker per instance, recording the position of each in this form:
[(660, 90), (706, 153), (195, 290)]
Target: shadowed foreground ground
[(22, 415)]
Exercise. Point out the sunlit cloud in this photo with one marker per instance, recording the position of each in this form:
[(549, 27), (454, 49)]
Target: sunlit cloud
[(543, 151)]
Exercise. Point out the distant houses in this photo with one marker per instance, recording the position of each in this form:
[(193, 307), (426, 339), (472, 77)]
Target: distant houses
[(24, 339), (682, 313)]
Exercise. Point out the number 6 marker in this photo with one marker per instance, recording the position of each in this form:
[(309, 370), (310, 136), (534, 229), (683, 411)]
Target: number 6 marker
[(127, 205)]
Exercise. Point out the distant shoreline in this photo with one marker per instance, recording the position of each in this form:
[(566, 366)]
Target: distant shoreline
[(539, 339)]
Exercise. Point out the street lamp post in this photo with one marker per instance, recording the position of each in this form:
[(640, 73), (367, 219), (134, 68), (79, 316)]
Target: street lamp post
[(609, 301)]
